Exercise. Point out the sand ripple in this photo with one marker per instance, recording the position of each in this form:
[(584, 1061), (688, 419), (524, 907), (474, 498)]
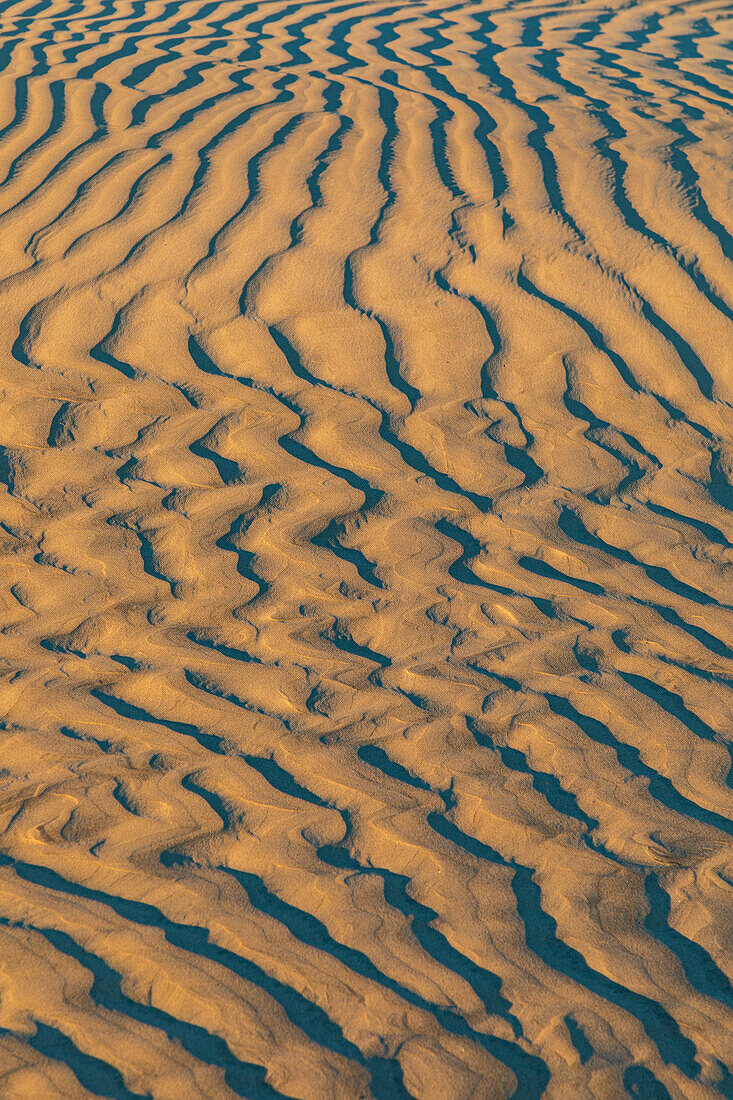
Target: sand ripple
[(367, 474)]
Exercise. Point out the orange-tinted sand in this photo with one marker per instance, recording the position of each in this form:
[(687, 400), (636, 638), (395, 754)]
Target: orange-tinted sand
[(366, 517)]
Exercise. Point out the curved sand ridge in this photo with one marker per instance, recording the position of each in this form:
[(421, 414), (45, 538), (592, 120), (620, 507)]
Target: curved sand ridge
[(367, 449)]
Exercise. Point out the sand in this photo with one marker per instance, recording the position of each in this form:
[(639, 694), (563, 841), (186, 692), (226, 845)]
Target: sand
[(367, 474)]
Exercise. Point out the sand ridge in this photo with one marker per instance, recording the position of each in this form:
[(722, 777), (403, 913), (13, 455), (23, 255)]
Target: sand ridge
[(367, 478)]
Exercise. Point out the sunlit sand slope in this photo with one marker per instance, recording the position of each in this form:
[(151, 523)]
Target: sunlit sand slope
[(366, 525)]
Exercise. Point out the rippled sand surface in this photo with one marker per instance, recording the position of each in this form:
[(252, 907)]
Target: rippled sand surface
[(366, 522)]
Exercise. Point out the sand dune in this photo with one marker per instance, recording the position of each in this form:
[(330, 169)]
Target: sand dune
[(367, 463)]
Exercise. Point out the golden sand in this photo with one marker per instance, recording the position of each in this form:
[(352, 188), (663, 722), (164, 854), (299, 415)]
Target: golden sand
[(366, 519)]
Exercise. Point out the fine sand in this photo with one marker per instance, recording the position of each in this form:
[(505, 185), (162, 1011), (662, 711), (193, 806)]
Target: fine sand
[(367, 524)]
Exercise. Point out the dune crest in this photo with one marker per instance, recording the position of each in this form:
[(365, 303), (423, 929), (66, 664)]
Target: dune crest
[(367, 479)]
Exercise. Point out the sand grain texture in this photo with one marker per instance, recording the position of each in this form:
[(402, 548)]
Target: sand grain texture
[(366, 523)]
